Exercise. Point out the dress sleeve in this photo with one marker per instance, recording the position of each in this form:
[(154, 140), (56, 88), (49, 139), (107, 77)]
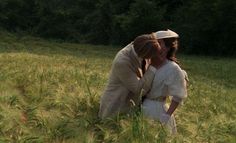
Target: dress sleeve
[(177, 84), (185, 75), (138, 86)]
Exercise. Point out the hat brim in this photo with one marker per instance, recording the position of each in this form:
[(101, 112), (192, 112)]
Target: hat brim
[(164, 37)]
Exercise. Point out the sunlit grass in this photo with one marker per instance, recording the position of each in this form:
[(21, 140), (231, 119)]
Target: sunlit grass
[(50, 91)]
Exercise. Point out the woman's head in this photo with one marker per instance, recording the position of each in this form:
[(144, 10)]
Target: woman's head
[(169, 43), (172, 46), (146, 46)]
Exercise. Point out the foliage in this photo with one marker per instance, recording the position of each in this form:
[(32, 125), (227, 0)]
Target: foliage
[(200, 24), (207, 28), (50, 91)]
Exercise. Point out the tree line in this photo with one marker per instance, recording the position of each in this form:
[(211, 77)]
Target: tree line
[(205, 27)]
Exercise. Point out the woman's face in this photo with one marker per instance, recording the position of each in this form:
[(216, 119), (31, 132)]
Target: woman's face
[(175, 44), (164, 50)]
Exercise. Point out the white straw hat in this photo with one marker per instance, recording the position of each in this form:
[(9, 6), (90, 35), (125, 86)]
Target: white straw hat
[(165, 34)]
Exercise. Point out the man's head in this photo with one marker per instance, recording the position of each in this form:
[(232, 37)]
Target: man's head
[(146, 46)]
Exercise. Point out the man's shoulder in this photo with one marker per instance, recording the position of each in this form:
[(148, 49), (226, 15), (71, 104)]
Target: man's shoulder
[(121, 61), (127, 48), (123, 55)]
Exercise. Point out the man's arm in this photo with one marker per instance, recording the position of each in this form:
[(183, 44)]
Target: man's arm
[(130, 79)]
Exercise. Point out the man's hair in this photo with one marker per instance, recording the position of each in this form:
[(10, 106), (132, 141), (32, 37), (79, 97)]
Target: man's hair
[(145, 46)]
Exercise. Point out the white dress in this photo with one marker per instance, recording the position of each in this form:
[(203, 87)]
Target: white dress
[(169, 80)]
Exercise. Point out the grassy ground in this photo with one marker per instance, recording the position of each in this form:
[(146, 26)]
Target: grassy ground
[(49, 93)]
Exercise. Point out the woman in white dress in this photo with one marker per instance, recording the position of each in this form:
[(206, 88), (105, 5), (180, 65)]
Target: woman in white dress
[(169, 80)]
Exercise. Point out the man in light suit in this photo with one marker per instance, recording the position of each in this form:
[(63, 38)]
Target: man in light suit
[(126, 83)]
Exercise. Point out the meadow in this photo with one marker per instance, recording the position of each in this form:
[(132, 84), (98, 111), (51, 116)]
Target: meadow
[(50, 91)]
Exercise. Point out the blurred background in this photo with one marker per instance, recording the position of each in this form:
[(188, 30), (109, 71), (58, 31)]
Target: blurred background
[(205, 27)]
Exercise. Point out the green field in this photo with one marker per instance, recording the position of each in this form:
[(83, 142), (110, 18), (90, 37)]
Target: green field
[(49, 93)]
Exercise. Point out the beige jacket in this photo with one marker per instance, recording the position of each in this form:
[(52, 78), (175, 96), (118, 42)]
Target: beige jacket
[(124, 86)]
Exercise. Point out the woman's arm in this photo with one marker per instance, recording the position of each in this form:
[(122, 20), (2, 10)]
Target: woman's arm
[(165, 117), (178, 91), (172, 107)]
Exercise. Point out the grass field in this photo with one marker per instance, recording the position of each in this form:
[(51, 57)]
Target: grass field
[(49, 93)]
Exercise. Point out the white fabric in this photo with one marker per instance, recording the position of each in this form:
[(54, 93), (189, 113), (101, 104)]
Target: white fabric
[(154, 109), (169, 80), (164, 118), (151, 68), (166, 34)]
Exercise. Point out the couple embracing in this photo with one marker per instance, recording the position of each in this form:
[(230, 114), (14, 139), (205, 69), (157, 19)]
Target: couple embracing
[(146, 69)]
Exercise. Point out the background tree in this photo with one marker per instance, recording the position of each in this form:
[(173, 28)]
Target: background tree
[(205, 27)]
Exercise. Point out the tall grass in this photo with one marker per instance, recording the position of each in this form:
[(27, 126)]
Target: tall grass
[(50, 91)]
